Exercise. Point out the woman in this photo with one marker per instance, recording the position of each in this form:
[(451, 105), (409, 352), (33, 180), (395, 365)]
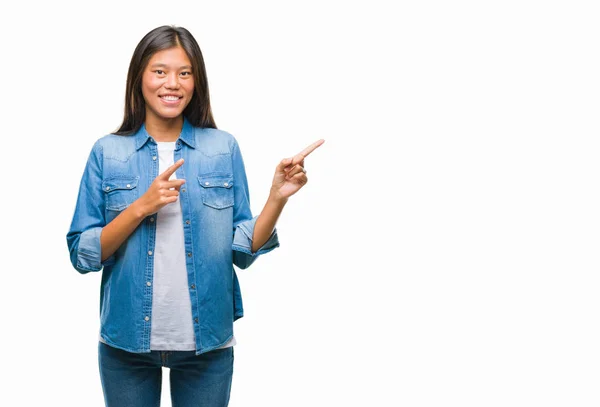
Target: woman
[(163, 210)]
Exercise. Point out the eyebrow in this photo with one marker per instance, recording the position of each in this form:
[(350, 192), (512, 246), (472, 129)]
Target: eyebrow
[(165, 66)]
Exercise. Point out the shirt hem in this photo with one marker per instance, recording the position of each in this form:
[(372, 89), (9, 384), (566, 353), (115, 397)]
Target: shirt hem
[(197, 352)]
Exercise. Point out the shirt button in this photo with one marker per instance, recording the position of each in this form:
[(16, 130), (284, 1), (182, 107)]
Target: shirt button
[(193, 286), (225, 184), (108, 188), (151, 219), (195, 320), (187, 222), (183, 190), (154, 158), (207, 183), (149, 252), (147, 319), (148, 283), (189, 254)]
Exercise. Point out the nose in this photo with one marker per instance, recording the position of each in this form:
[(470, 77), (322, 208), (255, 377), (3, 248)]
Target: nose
[(172, 81)]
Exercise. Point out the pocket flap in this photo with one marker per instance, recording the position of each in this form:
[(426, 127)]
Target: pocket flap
[(112, 184), (216, 180)]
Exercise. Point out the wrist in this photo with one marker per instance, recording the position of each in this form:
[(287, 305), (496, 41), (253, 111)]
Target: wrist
[(276, 198), (138, 211)]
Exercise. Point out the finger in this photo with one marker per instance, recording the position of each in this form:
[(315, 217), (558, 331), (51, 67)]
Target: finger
[(310, 149), (299, 178), (171, 192), (297, 169), (170, 200), (294, 163), (176, 183), (283, 164), (171, 170), (294, 166)]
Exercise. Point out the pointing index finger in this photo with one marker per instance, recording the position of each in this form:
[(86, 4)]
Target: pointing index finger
[(311, 148), (171, 170)]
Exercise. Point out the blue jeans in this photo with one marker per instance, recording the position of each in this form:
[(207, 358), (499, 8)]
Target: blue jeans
[(135, 379)]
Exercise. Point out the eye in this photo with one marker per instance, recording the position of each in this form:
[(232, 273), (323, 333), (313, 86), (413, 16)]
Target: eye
[(159, 71), (186, 73)]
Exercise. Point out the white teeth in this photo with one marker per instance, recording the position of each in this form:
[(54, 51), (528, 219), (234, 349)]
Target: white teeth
[(170, 97)]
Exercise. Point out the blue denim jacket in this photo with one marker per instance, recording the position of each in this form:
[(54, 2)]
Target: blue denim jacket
[(217, 224)]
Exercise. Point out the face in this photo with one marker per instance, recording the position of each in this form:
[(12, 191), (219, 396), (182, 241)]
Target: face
[(167, 84)]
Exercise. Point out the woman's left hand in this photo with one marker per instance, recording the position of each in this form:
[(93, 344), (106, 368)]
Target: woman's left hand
[(290, 174)]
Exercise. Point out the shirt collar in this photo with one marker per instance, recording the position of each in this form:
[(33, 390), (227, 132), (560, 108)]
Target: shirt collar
[(187, 135)]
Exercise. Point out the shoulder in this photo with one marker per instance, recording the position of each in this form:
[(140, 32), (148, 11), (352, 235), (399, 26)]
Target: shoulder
[(114, 146), (113, 139)]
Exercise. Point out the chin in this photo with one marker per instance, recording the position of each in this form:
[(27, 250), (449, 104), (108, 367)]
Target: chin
[(168, 114), (171, 115)]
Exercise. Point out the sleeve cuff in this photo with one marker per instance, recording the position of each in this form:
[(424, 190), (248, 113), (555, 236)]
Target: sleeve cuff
[(89, 251), (242, 244)]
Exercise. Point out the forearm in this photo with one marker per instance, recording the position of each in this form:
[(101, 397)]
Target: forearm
[(265, 223), (119, 229)]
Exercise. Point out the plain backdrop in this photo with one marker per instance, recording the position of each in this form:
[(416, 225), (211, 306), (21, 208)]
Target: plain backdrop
[(445, 249)]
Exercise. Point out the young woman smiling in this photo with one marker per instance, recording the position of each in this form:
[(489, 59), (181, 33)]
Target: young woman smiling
[(164, 212)]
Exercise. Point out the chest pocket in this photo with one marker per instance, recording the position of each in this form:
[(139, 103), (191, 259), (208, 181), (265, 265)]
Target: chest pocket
[(120, 192), (217, 191)]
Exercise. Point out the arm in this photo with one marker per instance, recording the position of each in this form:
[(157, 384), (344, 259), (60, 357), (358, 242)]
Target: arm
[(83, 237), (161, 192), (119, 229), (290, 176), (265, 223), (259, 234), (245, 249), (90, 240)]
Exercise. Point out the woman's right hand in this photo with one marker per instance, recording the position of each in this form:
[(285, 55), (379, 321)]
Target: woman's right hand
[(162, 191)]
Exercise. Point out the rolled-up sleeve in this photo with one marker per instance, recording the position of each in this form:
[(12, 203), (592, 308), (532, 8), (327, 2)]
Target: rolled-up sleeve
[(83, 237), (243, 221)]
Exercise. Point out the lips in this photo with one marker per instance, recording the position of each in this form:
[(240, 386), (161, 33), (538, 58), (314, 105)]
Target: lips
[(170, 100)]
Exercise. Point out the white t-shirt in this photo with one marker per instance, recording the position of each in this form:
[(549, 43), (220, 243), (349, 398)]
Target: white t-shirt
[(172, 323)]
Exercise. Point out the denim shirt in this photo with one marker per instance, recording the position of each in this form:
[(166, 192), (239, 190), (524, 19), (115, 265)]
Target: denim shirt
[(217, 225)]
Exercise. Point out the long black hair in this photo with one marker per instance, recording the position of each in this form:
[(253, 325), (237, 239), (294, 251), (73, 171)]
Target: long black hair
[(198, 111)]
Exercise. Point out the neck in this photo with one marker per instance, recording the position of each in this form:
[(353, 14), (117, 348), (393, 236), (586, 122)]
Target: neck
[(164, 129)]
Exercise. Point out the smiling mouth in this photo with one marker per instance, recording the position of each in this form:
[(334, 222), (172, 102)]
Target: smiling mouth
[(170, 98)]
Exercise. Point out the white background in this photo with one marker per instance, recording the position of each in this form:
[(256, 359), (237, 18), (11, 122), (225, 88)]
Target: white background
[(445, 249)]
